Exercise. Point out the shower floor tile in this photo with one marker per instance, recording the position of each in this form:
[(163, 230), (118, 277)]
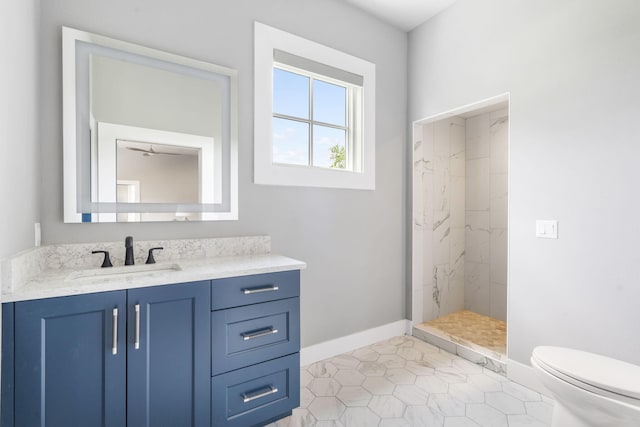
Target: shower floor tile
[(472, 330)]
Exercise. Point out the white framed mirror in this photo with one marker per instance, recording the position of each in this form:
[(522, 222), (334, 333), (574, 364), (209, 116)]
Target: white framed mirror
[(148, 135)]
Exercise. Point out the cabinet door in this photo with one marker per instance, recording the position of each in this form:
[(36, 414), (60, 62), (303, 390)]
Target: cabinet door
[(8, 340), (69, 370), (168, 372)]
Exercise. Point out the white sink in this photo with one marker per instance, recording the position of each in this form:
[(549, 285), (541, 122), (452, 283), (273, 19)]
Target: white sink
[(122, 272)]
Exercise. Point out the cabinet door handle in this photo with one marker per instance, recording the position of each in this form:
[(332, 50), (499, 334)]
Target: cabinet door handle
[(249, 291), (114, 334), (246, 336), (246, 398), (136, 342)]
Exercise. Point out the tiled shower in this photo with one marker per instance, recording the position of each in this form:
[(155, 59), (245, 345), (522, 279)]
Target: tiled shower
[(460, 216)]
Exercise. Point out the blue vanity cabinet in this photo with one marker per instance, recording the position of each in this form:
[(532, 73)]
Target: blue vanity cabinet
[(125, 358), (8, 373), (221, 352), (70, 362), (255, 327)]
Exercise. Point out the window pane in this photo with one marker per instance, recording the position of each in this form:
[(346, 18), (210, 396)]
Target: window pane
[(290, 142), (290, 94), (329, 103), (329, 147)]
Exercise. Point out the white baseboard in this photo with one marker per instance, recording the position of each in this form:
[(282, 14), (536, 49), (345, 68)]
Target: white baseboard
[(525, 375), (327, 349)]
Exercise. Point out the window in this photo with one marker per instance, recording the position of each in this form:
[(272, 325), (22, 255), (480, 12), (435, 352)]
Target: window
[(309, 120), (314, 111)]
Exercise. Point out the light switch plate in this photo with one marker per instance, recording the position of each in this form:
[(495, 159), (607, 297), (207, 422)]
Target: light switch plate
[(547, 229)]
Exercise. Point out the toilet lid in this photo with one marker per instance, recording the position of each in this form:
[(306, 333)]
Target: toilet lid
[(592, 369)]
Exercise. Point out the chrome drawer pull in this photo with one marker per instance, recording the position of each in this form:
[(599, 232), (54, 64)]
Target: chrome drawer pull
[(246, 336), (249, 291), (136, 342), (114, 333), (246, 398)]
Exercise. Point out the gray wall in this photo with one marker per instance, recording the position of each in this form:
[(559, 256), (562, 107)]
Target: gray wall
[(353, 241), (572, 70), (19, 144)]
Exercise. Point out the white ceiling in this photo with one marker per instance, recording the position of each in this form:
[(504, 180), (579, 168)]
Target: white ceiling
[(404, 14)]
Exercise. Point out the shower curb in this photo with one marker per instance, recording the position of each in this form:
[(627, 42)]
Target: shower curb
[(472, 355)]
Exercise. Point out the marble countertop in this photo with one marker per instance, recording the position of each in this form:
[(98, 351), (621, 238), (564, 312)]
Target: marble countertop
[(61, 282)]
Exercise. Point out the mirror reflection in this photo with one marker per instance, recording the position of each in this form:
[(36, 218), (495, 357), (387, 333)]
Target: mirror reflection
[(149, 136), (148, 173), (159, 174)]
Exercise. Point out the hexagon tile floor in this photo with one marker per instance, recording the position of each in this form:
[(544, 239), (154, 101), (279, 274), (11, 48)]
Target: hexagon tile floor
[(407, 382)]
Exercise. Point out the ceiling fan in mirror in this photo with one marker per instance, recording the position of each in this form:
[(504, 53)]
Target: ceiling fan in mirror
[(147, 149), (151, 151)]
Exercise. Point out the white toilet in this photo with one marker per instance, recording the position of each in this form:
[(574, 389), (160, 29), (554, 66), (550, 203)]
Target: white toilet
[(590, 390)]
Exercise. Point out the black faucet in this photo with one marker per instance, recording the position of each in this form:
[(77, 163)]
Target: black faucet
[(128, 244), (107, 261), (150, 258)]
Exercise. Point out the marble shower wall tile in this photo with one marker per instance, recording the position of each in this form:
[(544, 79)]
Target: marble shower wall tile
[(499, 256), (498, 114), (457, 161), (478, 195), (427, 146), (499, 145), (430, 307), (440, 241), (427, 185), (477, 288), (478, 139), (423, 222), (457, 201), (427, 199), (427, 256), (441, 146), (418, 173), (498, 301), (499, 200), (455, 298), (440, 289), (477, 237), (417, 302), (443, 201), (441, 185), (457, 147), (486, 213), (452, 298), (457, 248)]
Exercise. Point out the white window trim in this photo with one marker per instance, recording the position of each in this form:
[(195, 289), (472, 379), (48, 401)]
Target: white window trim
[(265, 171)]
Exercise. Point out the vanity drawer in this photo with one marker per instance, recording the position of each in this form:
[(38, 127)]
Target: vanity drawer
[(243, 336), (257, 394), (238, 291)]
